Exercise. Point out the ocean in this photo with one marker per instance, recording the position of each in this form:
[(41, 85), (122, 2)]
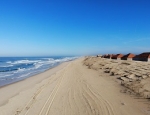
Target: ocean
[(14, 69)]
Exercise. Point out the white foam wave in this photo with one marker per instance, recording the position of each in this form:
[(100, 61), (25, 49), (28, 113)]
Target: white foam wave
[(5, 75), (39, 65), (24, 61), (9, 62), (20, 70), (50, 59), (6, 65), (24, 75)]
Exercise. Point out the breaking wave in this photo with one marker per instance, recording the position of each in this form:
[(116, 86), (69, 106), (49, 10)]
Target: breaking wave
[(15, 69)]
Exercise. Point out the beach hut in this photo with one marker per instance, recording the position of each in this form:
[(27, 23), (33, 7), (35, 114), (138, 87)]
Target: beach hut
[(129, 56), (105, 56), (109, 56), (143, 57), (117, 56)]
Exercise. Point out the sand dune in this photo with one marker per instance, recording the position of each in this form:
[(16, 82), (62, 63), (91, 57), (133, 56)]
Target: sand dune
[(135, 75), (74, 90)]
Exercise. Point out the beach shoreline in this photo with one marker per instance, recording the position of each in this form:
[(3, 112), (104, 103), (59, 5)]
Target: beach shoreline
[(14, 69), (35, 78), (71, 88), (31, 76)]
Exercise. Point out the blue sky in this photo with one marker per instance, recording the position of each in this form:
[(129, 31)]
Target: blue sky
[(73, 27)]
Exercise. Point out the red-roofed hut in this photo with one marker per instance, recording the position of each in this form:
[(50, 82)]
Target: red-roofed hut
[(143, 57), (129, 56), (118, 56)]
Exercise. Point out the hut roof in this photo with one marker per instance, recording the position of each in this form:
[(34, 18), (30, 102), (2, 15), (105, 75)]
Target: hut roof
[(144, 55), (117, 56), (130, 55)]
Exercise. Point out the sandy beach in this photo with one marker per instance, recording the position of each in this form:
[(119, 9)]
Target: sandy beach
[(81, 87)]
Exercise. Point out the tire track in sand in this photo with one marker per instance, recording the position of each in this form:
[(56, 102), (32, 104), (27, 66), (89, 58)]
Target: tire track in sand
[(104, 103), (30, 103), (90, 95), (52, 97)]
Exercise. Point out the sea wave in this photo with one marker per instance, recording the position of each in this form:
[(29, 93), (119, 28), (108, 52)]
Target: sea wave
[(15, 69), (23, 61)]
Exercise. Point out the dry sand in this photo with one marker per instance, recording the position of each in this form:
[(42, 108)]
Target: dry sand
[(69, 89)]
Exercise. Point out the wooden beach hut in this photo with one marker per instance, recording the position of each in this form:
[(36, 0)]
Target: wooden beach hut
[(117, 56), (129, 56), (143, 57)]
